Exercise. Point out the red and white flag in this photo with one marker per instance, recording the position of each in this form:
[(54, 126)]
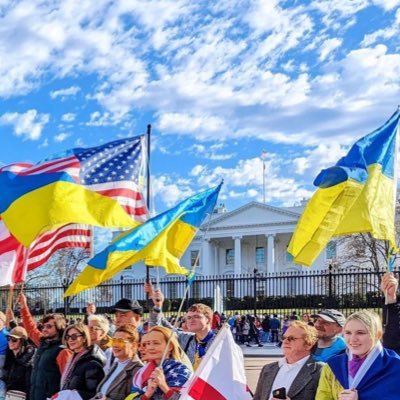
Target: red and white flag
[(221, 374)]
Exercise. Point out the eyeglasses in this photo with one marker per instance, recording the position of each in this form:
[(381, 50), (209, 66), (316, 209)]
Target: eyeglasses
[(74, 336), (195, 317), (117, 342), (12, 339), (48, 326), (291, 338), (95, 328)]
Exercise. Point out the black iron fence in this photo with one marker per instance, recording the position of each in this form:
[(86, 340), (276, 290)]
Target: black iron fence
[(347, 290)]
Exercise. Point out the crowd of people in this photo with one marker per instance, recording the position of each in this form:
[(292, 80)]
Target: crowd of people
[(325, 355)]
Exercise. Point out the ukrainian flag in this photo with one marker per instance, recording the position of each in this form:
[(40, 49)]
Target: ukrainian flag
[(161, 241), (31, 204), (356, 195)]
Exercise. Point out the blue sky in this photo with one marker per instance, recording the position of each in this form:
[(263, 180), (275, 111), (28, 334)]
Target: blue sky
[(219, 81)]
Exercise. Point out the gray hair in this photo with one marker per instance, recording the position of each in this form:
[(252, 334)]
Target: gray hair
[(101, 321)]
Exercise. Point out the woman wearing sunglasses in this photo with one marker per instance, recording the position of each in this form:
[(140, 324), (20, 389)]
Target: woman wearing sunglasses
[(118, 381), (366, 371), (165, 382), (84, 371), (19, 360)]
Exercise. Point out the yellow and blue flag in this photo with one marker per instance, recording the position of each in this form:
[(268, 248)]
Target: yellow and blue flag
[(95, 186), (161, 241), (356, 195)]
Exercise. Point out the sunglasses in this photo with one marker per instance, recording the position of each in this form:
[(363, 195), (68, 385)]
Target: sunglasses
[(74, 336), (291, 338), (12, 339), (48, 326), (117, 342)]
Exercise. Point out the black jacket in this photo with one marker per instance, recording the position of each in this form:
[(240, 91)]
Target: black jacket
[(87, 373), (45, 378), (18, 369), (391, 319)]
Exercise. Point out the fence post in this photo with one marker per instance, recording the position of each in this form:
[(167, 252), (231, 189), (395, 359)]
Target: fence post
[(65, 287), (122, 286), (255, 290), (330, 285)]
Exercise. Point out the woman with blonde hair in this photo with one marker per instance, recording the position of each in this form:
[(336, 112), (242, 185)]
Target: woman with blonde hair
[(366, 371), (155, 381)]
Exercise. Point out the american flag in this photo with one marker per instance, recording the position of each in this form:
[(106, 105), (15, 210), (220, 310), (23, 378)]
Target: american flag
[(113, 169)]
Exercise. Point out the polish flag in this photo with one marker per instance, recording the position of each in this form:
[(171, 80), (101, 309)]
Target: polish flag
[(221, 374)]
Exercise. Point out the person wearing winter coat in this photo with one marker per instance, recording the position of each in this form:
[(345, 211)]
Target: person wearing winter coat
[(84, 371), (19, 361)]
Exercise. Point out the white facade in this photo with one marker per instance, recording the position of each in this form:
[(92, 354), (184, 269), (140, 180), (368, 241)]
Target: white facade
[(255, 235)]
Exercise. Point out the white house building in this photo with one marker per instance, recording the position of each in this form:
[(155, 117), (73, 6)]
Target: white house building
[(255, 235)]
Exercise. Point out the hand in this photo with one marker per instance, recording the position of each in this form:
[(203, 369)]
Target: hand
[(151, 388), (9, 317), (21, 300), (389, 286), (350, 394), (158, 378), (158, 298), (148, 288)]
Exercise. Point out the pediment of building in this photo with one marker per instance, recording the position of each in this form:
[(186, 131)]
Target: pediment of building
[(253, 213)]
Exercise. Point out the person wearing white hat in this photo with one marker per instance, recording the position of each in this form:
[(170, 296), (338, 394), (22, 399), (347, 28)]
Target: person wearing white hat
[(19, 360)]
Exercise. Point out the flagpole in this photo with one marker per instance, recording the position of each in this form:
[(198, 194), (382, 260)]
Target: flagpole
[(263, 155), (148, 134)]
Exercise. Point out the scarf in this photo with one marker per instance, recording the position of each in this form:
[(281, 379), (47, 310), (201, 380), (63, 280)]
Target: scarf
[(355, 364), (67, 374), (201, 349)]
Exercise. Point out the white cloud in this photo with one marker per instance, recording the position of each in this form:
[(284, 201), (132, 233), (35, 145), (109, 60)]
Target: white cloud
[(28, 125), (170, 190), (328, 47), (63, 93), (68, 117), (61, 137), (387, 4)]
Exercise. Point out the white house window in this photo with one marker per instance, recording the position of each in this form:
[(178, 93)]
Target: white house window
[(260, 255), (193, 257), (229, 256), (331, 250)]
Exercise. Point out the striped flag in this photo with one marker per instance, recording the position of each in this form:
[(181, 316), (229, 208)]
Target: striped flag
[(113, 169), (221, 374)]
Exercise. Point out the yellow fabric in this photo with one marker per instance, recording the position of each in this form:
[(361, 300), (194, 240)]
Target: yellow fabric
[(166, 250), (320, 219), (349, 207), (60, 203), (328, 386)]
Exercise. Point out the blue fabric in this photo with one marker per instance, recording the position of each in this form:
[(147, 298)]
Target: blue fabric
[(3, 341), (338, 346), (192, 211), (378, 147), (381, 381)]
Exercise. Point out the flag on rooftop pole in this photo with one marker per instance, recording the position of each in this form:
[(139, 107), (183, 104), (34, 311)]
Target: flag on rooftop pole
[(356, 195), (161, 241), (221, 374), (96, 186)]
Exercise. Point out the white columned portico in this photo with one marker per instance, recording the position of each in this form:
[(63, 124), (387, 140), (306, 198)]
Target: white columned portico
[(205, 258), (238, 254), (271, 253)]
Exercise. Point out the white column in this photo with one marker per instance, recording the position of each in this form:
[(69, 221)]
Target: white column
[(238, 254), (271, 253), (216, 259), (205, 258)]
